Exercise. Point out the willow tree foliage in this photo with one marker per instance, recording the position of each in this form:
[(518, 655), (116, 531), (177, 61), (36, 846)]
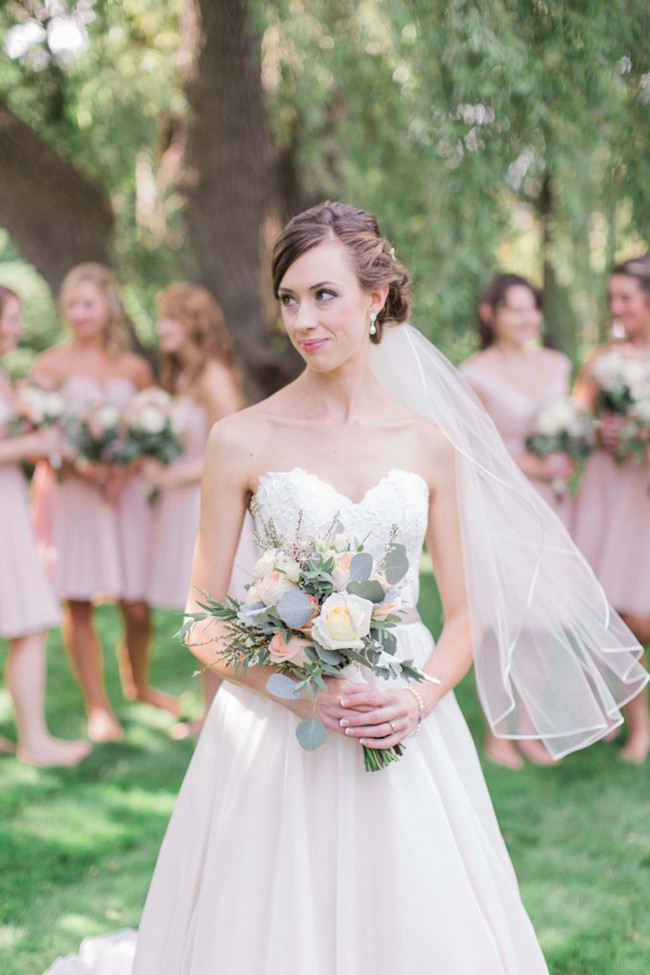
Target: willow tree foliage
[(503, 133)]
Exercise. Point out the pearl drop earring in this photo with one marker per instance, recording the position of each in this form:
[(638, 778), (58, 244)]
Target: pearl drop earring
[(373, 327)]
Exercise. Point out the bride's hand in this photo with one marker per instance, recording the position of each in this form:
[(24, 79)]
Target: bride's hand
[(376, 718), (327, 707)]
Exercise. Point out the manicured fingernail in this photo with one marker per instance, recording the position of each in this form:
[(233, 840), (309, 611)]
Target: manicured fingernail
[(348, 731), (362, 741), (344, 702), (344, 722)]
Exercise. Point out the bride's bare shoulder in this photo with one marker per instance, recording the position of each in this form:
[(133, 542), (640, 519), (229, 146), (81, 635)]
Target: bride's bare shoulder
[(241, 437)]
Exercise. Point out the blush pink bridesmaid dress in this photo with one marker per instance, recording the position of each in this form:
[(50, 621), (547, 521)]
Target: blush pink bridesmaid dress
[(514, 409), (176, 521), (27, 602), (611, 526), (99, 549)]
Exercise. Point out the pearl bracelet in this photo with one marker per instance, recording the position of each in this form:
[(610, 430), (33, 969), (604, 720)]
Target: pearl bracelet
[(418, 698)]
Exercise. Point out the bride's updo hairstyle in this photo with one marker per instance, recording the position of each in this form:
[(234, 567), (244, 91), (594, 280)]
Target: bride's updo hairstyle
[(372, 256)]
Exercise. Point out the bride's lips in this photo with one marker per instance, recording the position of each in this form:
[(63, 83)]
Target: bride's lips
[(312, 345)]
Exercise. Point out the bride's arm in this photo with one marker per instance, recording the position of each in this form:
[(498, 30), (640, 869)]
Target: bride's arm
[(452, 657), (225, 488)]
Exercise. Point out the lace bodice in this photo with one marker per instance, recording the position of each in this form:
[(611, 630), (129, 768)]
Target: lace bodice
[(400, 498)]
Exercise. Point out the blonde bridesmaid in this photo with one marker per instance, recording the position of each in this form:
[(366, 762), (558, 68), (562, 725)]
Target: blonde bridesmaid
[(28, 606), (198, 368), (612, 517), (515, 377), (99, 516)]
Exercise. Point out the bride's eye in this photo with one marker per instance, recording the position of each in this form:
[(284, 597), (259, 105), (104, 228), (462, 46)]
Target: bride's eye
[(324, 294), (287, 300)]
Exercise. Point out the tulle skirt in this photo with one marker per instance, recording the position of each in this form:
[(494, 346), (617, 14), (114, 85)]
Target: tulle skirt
[(278, 860)]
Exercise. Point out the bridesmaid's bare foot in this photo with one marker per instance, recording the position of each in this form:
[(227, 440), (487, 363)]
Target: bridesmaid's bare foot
[(104, 726), (613, 734), (6, 747), (501, 751), (636, 749), (54, 751), (535, 752), (186, 729), (158, 699)]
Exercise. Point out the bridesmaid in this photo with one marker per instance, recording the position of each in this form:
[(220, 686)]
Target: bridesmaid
[(612, 517), (100, 519), (199, 369), (28, 606), (514, 377)]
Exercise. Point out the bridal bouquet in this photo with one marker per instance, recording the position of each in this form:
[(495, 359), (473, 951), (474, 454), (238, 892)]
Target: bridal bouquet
[(148, 429), (561, 427), (93, 429), (317, 608), (36, 408), (624, 389)]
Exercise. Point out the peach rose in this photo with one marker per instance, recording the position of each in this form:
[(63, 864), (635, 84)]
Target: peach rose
[(341, 571), (281, 651), (270, 589)]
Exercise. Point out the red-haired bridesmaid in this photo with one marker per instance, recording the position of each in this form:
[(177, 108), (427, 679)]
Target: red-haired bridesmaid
[(612, 517), (100, 518), (28, 606), (198, 368)]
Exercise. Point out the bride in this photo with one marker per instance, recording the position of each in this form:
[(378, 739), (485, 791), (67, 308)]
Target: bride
[(279, 861)]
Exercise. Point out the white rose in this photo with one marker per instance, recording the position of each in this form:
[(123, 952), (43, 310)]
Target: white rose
[(272, 587), (265, 564), (54, 405), (341, 542), (151, 419), (642, 411), (343, 621), (108, 415), (289, 566)]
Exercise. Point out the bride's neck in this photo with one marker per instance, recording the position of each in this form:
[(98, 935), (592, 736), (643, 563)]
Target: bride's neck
[(342, 395)]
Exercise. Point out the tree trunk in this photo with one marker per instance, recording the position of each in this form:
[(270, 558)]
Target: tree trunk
[(230, 175), (546, 212), (55, 216)]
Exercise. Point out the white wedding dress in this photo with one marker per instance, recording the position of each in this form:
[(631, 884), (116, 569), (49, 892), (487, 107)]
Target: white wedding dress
[(279, 861)]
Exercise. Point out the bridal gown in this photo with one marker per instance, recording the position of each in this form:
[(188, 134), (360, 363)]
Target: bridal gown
[(279, 861)]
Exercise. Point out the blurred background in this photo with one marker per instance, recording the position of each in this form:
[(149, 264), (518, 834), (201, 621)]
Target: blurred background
[(171, 138)]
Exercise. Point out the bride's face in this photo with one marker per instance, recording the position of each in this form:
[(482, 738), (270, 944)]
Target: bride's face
[(325, 310)]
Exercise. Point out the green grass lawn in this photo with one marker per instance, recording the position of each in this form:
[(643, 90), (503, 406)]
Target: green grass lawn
[(77, 846)]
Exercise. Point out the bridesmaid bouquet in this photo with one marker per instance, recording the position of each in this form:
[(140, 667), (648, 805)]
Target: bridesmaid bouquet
[(36, 408), (148, 429), (561, 427), (93, 429), (624, 389), (318, 608)]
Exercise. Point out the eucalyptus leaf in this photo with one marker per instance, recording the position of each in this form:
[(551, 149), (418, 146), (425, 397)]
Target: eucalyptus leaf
[(311, 734), (279, 685), (396, 564), (294, 609), (361, 566), (374, 591), (328, 656)]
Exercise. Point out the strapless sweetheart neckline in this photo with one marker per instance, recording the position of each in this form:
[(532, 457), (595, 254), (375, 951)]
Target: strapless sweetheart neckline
[(329, 486)]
